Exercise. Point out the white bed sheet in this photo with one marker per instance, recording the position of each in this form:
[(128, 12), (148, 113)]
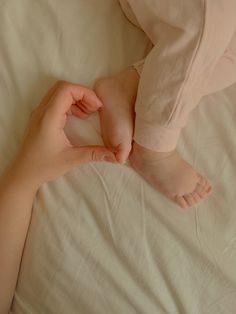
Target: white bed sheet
[(101, 240)]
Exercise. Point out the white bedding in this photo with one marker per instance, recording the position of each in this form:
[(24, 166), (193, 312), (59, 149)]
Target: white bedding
[(101, 240)]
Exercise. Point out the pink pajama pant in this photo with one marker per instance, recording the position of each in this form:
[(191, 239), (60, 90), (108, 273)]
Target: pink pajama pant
[(193, 54)]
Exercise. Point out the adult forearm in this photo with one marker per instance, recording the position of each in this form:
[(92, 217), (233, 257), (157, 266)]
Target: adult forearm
[(16, 200)]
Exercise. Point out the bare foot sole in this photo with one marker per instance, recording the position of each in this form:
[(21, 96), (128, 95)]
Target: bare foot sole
[(171, 175), (118, 94)]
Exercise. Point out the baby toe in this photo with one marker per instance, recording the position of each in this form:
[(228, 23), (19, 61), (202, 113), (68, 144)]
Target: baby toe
[(196, 197), (208, 187), (190, 200), (200, 187), (181, 202)]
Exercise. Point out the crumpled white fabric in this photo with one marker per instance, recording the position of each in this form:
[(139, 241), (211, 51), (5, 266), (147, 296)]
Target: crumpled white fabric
[(101, 240)]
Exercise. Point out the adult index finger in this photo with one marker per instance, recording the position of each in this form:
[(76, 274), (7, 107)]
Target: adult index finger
[(68, 94)]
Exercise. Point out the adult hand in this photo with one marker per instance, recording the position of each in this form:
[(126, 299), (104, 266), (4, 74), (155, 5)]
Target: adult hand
[(46, 152)]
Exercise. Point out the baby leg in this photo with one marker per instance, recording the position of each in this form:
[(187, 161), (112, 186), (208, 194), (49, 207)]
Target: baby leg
[(118, 94), (170, 88), (185, 49), (223, 76)]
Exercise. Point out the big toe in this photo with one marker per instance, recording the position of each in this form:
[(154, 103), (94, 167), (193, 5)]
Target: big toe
[(181, 201), (202, 191), (190, 200), (122, 152), (203, 187)]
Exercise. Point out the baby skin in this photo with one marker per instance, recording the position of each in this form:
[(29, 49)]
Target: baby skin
[(166, 172)]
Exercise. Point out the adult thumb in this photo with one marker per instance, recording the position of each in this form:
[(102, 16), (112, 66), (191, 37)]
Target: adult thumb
[(85, 154)]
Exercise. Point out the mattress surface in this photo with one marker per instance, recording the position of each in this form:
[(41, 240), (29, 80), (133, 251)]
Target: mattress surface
[(102, 240)]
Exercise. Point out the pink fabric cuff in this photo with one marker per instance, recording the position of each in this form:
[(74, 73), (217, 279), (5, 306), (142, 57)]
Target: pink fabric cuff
[(160, 139)]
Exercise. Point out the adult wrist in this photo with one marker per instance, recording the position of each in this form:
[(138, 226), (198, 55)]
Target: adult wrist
[(17, 175)]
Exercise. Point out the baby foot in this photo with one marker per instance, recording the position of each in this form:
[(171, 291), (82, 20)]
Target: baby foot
[(118, 94), (171, 175)]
